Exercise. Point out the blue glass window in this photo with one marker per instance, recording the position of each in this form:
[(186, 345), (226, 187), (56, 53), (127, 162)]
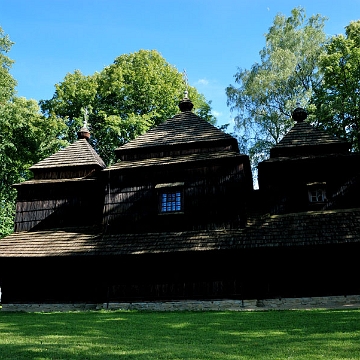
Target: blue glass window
[(317, 192), (171, 201)]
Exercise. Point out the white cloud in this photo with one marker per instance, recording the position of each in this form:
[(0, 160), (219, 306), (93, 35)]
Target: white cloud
[(216, 113), (202, 82)]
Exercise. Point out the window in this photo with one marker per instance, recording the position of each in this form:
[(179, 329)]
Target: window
[(316, 195), (316, 192), (171, 201), (170, 197)]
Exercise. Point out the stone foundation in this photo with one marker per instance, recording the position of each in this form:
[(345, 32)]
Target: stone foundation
[(352, 301), (49, 307), (328, 302)]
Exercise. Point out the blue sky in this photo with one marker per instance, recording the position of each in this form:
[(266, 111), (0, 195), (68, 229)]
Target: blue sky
[(210, 39)]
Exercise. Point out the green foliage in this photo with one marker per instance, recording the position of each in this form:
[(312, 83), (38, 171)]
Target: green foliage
[(284, 79), (315, 334), (76, 92), (136, 92), (25, 137), (7, 82), (337, 99), (7, 212)]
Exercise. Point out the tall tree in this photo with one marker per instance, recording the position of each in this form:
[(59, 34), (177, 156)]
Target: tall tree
[(337, 99), (136, 92), (7, 82), (7, 89), (25, 137), (267, 94)]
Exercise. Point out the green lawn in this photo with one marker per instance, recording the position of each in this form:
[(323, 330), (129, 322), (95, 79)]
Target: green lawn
[(316, 334)]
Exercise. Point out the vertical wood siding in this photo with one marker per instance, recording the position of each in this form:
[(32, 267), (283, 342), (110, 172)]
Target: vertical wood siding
[(214, 197)]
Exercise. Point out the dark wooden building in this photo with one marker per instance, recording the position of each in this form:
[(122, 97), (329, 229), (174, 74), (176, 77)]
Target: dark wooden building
[(177, 218)]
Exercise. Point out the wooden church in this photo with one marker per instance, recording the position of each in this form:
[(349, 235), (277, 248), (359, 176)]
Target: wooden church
[(177, 218)]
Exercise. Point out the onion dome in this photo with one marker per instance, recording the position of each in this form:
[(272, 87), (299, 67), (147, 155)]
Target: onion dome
[(83, 133), (299, 114), (186, 104)]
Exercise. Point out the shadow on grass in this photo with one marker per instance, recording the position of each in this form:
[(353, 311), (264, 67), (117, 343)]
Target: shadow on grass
[(327, 334)]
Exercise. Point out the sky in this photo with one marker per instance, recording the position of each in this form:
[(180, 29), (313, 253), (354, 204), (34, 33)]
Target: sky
[(209, 39)]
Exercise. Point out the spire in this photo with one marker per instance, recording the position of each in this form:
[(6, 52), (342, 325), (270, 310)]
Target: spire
[(84, 132), (186, 104)]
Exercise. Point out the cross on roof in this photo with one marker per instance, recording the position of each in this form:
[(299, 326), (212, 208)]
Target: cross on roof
[(86, 114), (186, 81)]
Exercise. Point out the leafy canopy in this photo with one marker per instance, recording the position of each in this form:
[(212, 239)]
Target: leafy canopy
[(266, 95), (337, 99), (136, 92), (7, 82)]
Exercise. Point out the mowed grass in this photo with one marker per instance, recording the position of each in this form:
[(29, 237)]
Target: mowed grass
[(314, 334)]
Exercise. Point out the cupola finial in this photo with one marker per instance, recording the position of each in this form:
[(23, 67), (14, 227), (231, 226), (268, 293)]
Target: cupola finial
[(299, 114), (84, 132), (186, 104)]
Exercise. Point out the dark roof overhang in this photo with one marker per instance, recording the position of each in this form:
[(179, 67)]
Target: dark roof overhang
[(145, 151), (308, 150), (192, 159)]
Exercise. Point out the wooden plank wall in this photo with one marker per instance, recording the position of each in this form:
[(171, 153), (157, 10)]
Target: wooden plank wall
[(214, 197), (57, 205)]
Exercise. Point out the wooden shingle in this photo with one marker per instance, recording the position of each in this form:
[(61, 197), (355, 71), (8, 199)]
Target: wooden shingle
[(184, 130), (80, 153), (305, 139), (300, 229)]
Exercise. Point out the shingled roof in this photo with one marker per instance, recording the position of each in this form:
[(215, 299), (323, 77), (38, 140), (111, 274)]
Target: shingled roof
[(184, 130), (305, 139), (80, 153), (297, 229)]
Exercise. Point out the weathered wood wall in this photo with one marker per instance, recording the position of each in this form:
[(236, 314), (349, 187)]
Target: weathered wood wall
[(214, 197), (59, 204), (283, 184)]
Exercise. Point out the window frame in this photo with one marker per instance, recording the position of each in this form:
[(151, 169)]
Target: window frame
[(316, 190), (176, 190)]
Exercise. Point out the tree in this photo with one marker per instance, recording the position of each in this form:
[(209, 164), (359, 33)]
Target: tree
[(337, 98), (136, 92), (7, 82), (7, 89), (25, 137), (284, 79)]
